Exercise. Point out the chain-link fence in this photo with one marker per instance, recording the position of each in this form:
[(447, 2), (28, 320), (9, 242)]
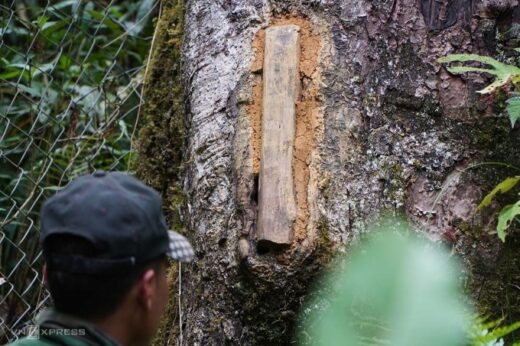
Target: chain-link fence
[(70, 91)]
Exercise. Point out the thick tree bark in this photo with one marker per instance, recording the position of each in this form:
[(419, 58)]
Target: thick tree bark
[(380, 125)]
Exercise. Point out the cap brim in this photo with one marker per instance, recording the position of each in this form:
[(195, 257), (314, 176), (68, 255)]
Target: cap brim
[(180, 248)]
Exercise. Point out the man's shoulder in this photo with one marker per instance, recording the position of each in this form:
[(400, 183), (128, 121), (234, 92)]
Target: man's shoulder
[(55, 341), (32, 342)]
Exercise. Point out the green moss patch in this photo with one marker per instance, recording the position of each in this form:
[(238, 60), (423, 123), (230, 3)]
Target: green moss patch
[(161, 137)]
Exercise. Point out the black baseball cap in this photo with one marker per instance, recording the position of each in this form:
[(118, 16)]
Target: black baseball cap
[(119, 215)]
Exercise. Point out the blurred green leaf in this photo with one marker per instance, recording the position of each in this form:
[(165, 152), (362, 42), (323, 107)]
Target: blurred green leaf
[(34, 90), (63, 4), (104, 19), (37, 70), (41, 21), (51, 27), (394, 290), (11, 74), (143, 12), (21, 66)]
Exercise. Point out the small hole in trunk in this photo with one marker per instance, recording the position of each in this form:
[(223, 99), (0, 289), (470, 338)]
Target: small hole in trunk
[(254, 193)]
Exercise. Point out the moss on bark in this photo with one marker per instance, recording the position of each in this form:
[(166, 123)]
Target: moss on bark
[(161, 137), (168, 329)]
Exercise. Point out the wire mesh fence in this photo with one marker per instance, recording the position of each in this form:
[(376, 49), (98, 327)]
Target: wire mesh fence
[(70, 92)]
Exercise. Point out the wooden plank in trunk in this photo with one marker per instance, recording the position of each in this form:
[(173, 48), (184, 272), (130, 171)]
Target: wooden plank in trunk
[(277, 205)]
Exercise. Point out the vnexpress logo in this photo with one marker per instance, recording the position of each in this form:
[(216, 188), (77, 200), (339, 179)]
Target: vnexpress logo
[(32, 331), (36, 332)]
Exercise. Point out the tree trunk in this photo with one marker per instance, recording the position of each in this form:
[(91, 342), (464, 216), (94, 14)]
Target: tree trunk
[(379, 125)]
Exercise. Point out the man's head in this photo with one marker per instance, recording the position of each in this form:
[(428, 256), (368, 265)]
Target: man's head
[(105, 243)]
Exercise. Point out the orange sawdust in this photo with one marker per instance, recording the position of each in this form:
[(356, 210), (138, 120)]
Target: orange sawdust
[(254, 109)]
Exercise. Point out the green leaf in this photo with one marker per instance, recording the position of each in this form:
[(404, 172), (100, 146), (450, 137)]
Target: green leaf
[(517, 49), (489, 333), (516, 82), (11, 74), (394, 290), (64, 4), (142, 17), (503, 72), (54, 26), (464, 69), (506, 185), (41, 21), (34, 91), (513, 109), (37, 70), (498, 333), (104, 19), (64, 62), (22, 66), (507, 214)]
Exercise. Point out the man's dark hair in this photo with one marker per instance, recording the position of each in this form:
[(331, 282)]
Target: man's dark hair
[(88, 296)]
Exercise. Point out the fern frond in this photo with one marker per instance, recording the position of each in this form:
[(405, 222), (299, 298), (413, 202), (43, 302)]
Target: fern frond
[(490, 333), (503, 72)]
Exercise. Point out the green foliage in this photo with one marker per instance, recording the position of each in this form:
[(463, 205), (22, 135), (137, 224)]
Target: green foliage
[(509, 212), (513, 109), (505, 217), (506, 185), (490, 333), (70, 79), (69, 75), (394, 290), (503, 73)]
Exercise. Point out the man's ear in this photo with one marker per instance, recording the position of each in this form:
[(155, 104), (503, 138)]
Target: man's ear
[(147, 288)]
